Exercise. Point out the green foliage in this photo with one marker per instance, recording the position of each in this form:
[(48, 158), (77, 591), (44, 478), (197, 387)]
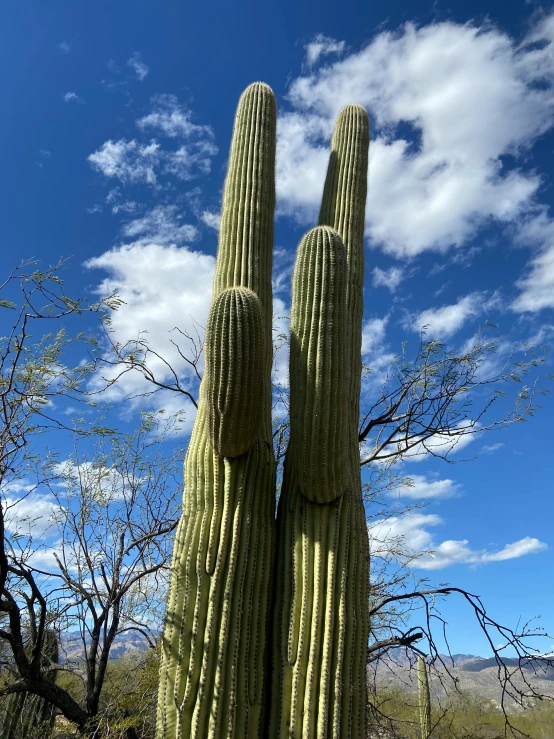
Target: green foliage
[(463, 715)]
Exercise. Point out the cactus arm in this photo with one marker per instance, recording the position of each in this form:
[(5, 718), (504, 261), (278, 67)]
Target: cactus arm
[(233, 380), (318, 442)]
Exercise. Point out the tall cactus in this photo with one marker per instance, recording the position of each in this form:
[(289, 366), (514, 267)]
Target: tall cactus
[(321, 625), (424, 698), (28, 716), (212, 677)]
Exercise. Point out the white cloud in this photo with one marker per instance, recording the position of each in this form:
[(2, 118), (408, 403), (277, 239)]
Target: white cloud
[(172, 119), (389, 278), (425, 489), (537, 284), (373, 334), (440, 445), (129, 161), (211, 219), (300, 166), (412, 528), (491, 448), (191, 160), (322, 46), (448, 319), (162, 226), (468, 92), (72, 97), (163, 286), (93, 478), (44, 559), (281, 325), (64, 47), (33, 514), (138, 66), (133, 162)]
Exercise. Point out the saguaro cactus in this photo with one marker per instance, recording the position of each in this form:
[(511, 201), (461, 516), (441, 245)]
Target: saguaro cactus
[(424, 698), (27, 715), (212, 674), (321, 626)]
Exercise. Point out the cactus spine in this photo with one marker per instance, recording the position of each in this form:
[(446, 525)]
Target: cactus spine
[(27, 715), (214, 643), (321, 624), (424, 698)]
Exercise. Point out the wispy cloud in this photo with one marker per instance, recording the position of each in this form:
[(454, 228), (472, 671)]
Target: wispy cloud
[(423, 488), (72, 97), (128, 161), (322, 46), (389, 278), (131, 161), (211, 219), (413, 529), (138, 66), (65, 47), (161, 225)]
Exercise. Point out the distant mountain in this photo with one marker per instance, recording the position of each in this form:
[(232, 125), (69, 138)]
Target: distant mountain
[(72, 645), (474, 674), (545, 673)]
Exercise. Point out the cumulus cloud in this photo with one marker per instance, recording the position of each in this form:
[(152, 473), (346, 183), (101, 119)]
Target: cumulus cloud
[(72, 97), (413, 530), (138, 66), (32, 514), (322, 46), (448, 319), (373, 334), (470, 95), (162, 286)]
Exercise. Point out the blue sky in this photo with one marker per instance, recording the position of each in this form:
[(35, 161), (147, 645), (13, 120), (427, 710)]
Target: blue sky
[(117, 125)]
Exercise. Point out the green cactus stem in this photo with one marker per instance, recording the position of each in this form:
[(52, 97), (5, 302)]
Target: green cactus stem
[(212, 674), (321, 624), (318, 368), (27, 715), (233, 379), (424, 698)]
